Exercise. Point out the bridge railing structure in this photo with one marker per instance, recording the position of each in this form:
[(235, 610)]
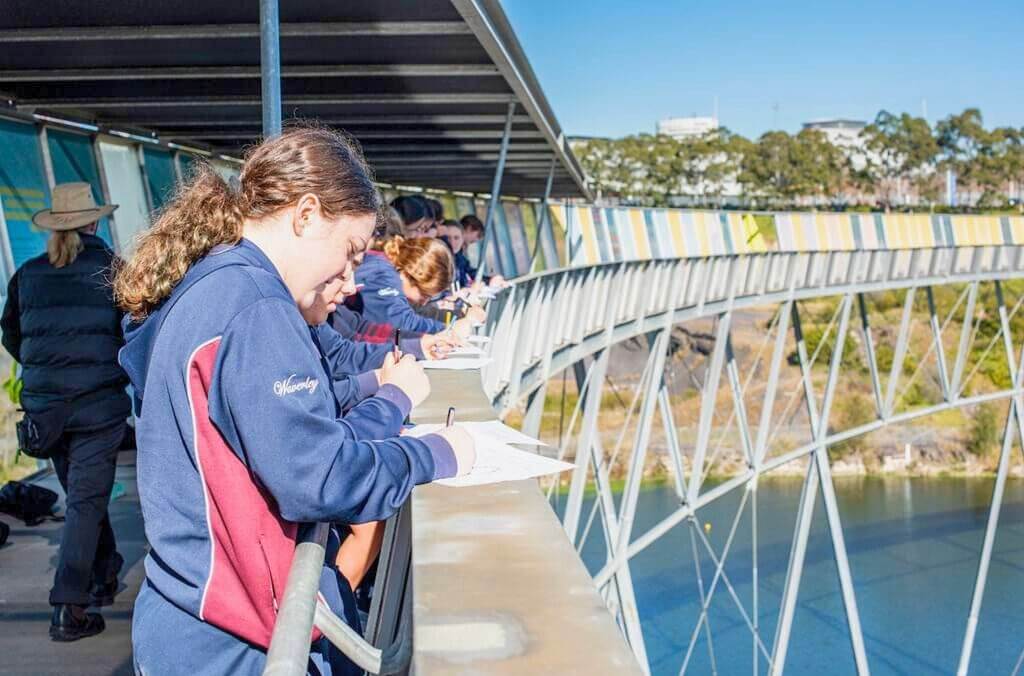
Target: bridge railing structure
[(573, 318)]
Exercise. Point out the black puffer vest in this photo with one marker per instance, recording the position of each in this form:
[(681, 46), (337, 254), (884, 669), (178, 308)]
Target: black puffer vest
[(70, 335)]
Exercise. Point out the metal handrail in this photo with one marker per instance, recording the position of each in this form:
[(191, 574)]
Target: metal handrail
[(301, 609)]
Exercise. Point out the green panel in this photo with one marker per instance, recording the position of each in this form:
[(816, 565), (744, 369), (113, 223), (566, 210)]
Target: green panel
[(558, 230), (529, 217), (74, 161), (186, 162), (160, 176), (23, 189)]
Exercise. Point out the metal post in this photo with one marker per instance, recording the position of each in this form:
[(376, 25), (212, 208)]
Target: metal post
[(289, 645), (588, 431), (496, 193), (869, 350), (966, 330), (900, 353), (940, 350), (545, 217), (1016, 410), (270, 67)]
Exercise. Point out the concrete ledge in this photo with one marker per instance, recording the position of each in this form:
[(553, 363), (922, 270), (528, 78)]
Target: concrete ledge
[(497, 587)]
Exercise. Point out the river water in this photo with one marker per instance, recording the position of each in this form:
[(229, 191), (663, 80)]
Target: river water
[(913, 547)]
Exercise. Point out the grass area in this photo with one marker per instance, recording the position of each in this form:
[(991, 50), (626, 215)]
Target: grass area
[(18, 469)]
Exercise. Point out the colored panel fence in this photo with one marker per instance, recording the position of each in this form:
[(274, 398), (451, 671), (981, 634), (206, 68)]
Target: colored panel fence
[(124, 180), (74, 160), (160, 176), (23, 191)]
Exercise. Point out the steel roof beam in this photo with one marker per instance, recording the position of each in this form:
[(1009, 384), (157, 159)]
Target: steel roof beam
[(392, 138), (247, 72), (377, 120), (233, 30), (310, 100)]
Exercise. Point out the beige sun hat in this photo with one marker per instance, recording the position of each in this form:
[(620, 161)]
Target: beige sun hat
[(73, 208)]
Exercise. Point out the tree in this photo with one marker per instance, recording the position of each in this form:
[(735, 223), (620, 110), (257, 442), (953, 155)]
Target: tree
[(900, 150)]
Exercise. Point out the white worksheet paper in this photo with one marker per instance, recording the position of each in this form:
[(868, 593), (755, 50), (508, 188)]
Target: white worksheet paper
[(456, 364), (496, 461), (479, 340), (466, 351)]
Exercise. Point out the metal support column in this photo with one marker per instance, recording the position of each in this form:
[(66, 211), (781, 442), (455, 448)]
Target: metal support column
[(1016, 410), (966, 332), (940, 350), (545, 218), (588, 430), (869, 350), (270, 67), (496, 195)]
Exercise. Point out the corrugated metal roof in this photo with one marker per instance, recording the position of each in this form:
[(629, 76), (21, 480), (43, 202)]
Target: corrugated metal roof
[(425, 85)]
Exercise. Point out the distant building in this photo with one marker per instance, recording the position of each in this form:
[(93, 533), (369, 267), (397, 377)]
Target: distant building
[(686, 127), (839, 132)]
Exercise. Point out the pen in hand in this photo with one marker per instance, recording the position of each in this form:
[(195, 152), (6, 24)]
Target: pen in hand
[(397, 351), (451, 416)]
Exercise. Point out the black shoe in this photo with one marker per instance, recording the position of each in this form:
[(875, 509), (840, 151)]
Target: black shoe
[(71, 623), (103, 593)]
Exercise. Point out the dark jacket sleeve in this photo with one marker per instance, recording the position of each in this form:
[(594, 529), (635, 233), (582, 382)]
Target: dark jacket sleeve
[(312, 463), (10, 321)]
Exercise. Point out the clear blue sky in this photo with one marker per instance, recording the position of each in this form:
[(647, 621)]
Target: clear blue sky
[(614, 67)]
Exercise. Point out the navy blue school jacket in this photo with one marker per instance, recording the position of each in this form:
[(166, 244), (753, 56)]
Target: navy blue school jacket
[(240, 441), (383, 300)]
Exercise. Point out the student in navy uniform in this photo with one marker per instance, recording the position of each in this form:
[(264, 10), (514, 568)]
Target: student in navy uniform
[(415, 214), (407, 272), (239, 436), (60, 322)]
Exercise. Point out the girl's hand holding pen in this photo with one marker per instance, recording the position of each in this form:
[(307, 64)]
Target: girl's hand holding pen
[(437, 345), (406, 375), (462, 444)]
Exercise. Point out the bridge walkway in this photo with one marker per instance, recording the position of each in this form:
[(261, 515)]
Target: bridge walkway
[(27, 563)]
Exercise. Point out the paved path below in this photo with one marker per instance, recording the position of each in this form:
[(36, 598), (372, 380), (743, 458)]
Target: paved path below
[(26, 573)]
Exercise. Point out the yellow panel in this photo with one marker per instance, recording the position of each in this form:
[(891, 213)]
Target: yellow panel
[(643, 247), (590, 250), (675, 223), (961, 231), (798, 232), (892, 231), (1017, 229), (922, 237), (845, 227), (754, 237), (824, 241), (702, 232), (996, 229), (739, 238)]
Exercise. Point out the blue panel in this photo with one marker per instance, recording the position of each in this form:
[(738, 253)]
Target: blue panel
[(1004, 221), (858, 238), (185, 162), (23, 188), (160, 176), (652, 233), (601, 229), (947, 222), (723, 218), (614, 235), (880, 231), (508, 259), (74, 161), (937, 231)]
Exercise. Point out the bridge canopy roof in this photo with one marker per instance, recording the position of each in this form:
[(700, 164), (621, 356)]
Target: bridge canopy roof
[(425, 86)]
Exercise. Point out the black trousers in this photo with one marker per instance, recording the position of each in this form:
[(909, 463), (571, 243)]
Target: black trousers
[(85, 467)]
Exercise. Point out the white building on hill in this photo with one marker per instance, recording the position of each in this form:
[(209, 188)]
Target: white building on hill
[(686, 127)]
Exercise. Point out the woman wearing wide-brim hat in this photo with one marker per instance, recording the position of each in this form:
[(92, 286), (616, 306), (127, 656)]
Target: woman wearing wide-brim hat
[(60, 323)]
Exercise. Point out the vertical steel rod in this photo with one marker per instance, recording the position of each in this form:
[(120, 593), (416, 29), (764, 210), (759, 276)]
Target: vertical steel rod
[(492, 207), (270, 67)]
